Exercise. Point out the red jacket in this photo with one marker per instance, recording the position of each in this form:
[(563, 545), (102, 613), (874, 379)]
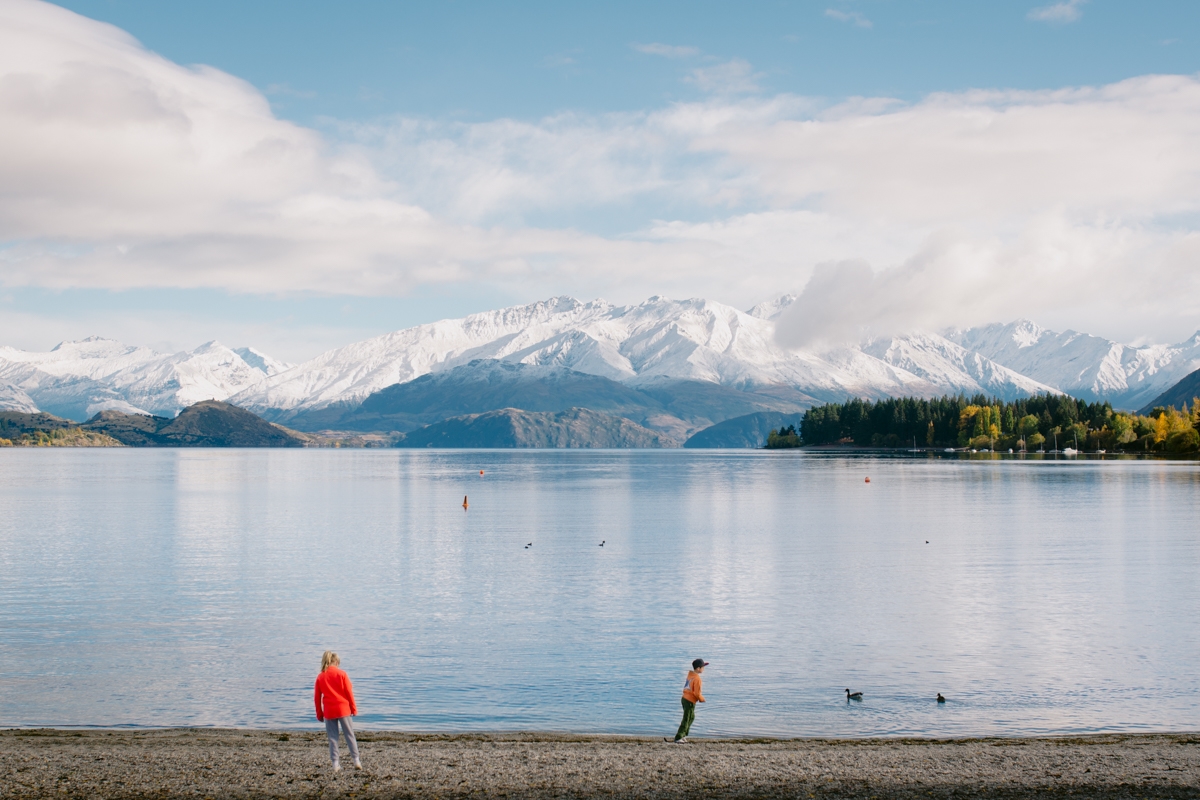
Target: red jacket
[(334, 685)]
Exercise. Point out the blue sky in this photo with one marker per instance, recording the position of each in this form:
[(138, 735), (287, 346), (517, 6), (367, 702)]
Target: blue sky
[(479, 61), (386, 164)]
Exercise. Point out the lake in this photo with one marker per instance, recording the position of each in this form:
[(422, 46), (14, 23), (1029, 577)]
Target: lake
[(199, 587)]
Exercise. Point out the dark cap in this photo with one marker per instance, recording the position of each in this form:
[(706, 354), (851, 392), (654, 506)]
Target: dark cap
[(698, 663)]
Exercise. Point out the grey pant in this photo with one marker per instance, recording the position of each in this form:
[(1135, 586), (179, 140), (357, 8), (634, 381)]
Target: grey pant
[(331, 730)]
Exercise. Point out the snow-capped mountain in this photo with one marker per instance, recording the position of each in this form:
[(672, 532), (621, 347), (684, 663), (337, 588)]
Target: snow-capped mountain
[(13, 399), (78, 379), (658, 339), (951, 366), (637, 345), (1083, 365)]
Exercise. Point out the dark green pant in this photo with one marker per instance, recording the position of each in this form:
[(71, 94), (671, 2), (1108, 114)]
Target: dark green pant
[(689, 714)]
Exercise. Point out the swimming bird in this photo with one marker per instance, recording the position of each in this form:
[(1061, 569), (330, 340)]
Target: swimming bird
[(853, 695), (940, 698), (602, 542), (926, 541), (868, 480), (529, 545)]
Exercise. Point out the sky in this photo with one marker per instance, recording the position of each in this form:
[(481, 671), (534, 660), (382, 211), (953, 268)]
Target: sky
[(295, 176)]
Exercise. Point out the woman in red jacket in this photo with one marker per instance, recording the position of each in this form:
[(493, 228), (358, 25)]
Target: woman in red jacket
[(334, 697)]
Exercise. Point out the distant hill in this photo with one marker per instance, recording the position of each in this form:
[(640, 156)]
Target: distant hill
[(749, 430), (46, 430), (488, 385), (1186, 391), (209, 423), (14, 423), (675, 408), (510, 427)]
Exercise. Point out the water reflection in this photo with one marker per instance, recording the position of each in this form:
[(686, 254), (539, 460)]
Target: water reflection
[(199, 587)]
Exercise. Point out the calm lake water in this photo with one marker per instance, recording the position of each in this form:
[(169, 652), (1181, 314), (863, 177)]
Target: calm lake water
[(199, 587)]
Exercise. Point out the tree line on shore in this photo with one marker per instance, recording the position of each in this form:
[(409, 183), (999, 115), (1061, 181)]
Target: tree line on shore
[(1043, 422)]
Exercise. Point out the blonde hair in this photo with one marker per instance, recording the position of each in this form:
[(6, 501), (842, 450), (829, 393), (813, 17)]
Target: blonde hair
[(329, 659)]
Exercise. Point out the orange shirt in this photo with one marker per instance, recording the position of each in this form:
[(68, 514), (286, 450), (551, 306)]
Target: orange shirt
[(333, 685), (691, 687)]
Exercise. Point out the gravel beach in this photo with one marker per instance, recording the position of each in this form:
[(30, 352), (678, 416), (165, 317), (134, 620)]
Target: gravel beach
[(236, 763)]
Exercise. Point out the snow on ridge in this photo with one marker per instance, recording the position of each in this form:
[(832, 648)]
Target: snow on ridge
[(261, 361), (945, 363), (76, 379), (771, 309), (1082, 364), (12, 398), (658, 339)]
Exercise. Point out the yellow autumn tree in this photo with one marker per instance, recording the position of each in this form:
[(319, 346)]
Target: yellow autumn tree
[(968, 421)]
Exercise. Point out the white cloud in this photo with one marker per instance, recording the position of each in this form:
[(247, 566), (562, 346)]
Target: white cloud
[(984, 158), (1066, 11), (667, 50), (121, 169), (735, 76), (1054, 271), (854, 17)]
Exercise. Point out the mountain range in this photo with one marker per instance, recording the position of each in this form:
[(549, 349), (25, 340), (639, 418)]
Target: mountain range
[(673, 407), (674, 366), (77, 380)]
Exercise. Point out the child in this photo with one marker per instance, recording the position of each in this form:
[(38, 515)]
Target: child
[(691, 696), (334, 697)]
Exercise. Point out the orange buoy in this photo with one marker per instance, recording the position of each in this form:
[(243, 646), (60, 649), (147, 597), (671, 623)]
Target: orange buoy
[(464, 502), (868, 480), (481, 472)]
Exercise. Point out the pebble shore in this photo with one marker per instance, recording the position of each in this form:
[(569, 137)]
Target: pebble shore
[(214, 763)]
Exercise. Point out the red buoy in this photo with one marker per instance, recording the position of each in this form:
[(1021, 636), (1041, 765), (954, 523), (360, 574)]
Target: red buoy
[(868, 480)]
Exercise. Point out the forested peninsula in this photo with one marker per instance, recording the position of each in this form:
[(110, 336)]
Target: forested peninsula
[(1044, 422)]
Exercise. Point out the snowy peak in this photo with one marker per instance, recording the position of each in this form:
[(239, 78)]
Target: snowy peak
[(658, 339), (640, 345), (1025, 333), (78, 379), (261, 361), (91, 347), (946, 364), (771, 309), (1084, 365), (13, 398)]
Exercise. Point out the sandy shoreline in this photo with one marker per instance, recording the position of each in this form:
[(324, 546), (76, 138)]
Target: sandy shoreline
[(237, 763)]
